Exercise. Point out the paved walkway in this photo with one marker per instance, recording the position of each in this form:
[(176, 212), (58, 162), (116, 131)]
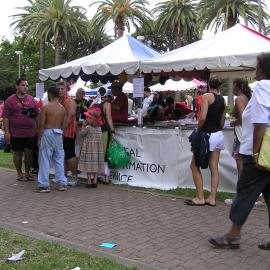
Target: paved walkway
[(157, 231)]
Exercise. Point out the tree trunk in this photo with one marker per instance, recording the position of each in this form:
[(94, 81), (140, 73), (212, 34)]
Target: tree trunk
[(177, 37), (231, 21), (230, 93), (58, 47), (119, 27), (42, 52)]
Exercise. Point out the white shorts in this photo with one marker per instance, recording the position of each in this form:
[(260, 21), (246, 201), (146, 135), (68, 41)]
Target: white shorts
[(216, 141)]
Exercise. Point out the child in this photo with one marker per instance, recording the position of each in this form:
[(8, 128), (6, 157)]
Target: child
[(91, 159), (51, 146)]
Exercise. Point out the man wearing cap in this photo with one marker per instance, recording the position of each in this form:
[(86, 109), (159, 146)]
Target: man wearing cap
[(119, 104)]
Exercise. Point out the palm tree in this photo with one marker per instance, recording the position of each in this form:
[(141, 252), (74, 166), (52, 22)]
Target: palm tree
[(226, 13), (177, 16), (57, 19), (23, 23), (122, 12), (78, 47), (267, 30)]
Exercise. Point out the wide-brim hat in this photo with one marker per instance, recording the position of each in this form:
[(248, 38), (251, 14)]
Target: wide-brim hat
[(90, 115)]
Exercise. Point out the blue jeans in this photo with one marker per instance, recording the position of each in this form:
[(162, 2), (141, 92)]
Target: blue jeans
[(51, 149)]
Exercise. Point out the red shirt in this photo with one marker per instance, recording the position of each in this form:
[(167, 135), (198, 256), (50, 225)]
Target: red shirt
[(1, 109), (198, 107), (40, 104), (122, 114), (20, 125)]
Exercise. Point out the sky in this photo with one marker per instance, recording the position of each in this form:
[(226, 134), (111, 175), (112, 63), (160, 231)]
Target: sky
[(9, 8)]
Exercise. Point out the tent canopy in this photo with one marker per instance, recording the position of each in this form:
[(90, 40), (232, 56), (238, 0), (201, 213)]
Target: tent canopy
[(233, 49), (124, 54), (182, 85)]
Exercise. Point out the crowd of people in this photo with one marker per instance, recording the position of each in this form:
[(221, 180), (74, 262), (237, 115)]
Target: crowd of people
[(51, 128), (32, 128)]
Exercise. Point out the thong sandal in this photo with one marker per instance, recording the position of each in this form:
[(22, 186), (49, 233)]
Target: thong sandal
[(192, 203), (30, 178), (21, 178), (225, 242), (265, 246), (210, 204)]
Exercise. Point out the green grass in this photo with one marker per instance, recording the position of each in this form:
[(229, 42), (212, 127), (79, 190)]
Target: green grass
[(6, 160), (43, 255)]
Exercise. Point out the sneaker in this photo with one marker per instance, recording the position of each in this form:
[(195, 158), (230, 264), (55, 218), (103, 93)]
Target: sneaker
[(54, 180), (43, 190), (72, 181), (62, 188), (228, 201), (260, 203)]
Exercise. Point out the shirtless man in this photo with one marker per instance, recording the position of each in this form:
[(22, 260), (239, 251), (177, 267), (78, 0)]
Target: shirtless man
[(51, 142)]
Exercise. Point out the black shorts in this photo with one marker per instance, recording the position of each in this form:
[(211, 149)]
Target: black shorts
[(19, 144), (69, 147)]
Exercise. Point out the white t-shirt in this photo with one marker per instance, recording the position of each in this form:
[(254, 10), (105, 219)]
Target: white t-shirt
[(256, 112), (146, 102), (130, 105)]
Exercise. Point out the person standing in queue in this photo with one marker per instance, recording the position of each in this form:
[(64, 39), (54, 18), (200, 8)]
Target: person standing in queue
[(107, 128), (19, 119), (119, 104), (212, 119), (242, 92), (69, 129), (50, 142), (82, 104)]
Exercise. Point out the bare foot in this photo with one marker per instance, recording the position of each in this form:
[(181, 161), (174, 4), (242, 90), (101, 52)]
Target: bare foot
[(210, 202)]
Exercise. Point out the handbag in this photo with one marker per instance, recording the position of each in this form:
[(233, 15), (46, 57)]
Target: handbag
[(264, 155), (117, 155)]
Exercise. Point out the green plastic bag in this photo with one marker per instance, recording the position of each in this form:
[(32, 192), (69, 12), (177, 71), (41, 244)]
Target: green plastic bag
[(117, 155)]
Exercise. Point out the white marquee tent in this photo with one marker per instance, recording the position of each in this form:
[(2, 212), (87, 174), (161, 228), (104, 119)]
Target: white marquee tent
[(182, 85), (233, 49), (124, 54)]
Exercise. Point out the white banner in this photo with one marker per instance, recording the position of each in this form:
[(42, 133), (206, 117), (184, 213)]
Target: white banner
[(138, 87), (160, 158), (39, 90)]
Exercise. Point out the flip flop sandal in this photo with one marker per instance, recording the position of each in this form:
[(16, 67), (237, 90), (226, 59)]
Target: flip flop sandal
[(225, 242), (209, 204), (21, 179), (265, 246), (30, 178), (192, 203)]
